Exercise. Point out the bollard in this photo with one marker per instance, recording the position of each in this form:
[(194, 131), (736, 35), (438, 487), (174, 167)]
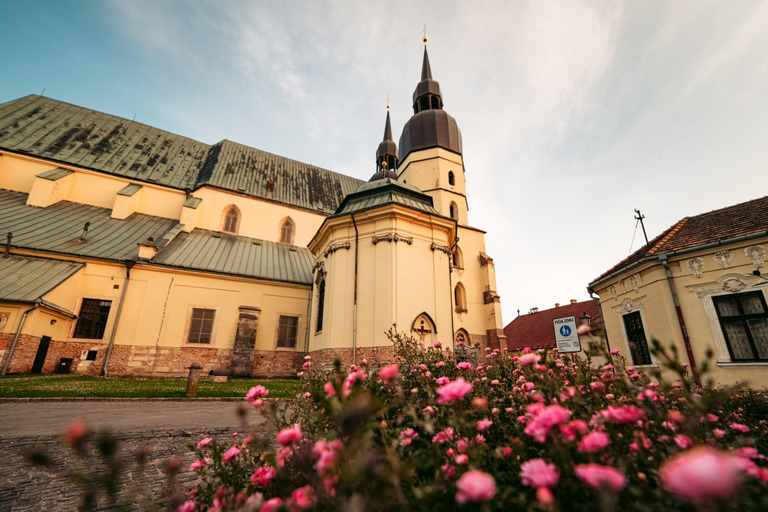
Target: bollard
[(194, 375)]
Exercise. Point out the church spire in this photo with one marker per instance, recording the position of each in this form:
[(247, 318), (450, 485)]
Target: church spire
[(386, 155), (427, 95)]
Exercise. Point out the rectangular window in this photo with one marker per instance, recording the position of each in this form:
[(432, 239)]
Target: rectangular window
[(744, 320), (286, 334), (201, 325), (92, 319), (638, 345)]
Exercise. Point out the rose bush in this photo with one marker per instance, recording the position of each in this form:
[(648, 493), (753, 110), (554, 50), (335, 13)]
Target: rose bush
[(530, 431)]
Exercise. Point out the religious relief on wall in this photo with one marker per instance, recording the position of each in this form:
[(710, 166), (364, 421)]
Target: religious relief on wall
[(723, 258), (756, 253), (695, 265)]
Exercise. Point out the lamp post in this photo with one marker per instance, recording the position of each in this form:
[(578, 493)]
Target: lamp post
[(585, 319)]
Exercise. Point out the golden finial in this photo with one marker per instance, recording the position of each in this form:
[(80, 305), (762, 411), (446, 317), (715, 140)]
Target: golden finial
[(387, 100), (425, 35)]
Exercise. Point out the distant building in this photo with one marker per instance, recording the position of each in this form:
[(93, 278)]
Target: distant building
[(536, 330), (138, 251), (699, 286)]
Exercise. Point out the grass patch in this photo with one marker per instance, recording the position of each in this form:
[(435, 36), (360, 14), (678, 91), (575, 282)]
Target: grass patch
[(68, 386)]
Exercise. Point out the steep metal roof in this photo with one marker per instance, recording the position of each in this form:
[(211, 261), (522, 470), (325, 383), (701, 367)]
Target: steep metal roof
[(59, 228), (224, 253), (28, 279), (65, 133), (386, 191)]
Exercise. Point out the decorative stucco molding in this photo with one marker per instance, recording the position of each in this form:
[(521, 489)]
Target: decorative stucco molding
[(695, 265), (612, 289), (723, 258), (633, 280), (392, 237), (629, 306), (443, 248), (756, 253), (623, 286), (729, 283), (335, 247)]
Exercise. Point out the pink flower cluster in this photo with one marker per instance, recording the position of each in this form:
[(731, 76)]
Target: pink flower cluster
[(543, 422), (453, 391), (475, 485), (289, 435)]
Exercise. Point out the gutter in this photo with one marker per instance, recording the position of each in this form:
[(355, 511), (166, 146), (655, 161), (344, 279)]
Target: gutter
[(18, 333), (354, 305), (128, 265), (680, 319), (687, 250)]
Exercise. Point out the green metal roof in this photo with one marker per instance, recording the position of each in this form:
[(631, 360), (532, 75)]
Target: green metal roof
[(54, 174), (28, 279), (129, 190), (59, 228), (386, 191), (65, 133), (225, 253)]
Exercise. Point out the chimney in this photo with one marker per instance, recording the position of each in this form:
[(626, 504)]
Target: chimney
[(574, 301), (557, 304), (8, 245)]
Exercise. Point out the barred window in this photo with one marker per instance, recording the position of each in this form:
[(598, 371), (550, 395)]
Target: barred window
[(92, 319), (638, 345), (286, 331), (744, 321), (201, 325)]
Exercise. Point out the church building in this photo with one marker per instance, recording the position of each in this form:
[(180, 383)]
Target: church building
[(134, 251)]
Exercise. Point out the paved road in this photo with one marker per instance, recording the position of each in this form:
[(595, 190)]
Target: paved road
[(39, 418), (162, 428)]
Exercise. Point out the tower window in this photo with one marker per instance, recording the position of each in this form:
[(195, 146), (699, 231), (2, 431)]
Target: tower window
[(454, 211), (460, 296), (320, 305), (287, 228), (231, 219), (451, 178)]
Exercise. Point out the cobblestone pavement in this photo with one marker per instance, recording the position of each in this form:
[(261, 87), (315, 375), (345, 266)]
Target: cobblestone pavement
[(164, 428)]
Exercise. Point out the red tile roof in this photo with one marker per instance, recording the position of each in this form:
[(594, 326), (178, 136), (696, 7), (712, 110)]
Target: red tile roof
[(535, 330), (715, 226)]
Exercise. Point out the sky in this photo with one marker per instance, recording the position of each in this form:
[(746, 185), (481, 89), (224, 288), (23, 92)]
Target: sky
[(573, 114)]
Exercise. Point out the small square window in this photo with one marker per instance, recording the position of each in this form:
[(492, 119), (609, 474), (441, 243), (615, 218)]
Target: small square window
[(201, 326), (91, 355), (287, 328)]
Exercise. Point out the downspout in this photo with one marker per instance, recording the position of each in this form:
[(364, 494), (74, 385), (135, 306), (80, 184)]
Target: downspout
[(18, 333), (309, 321), (600, 308), (354, 305), (450, 289), (128, 265), (680, 320)]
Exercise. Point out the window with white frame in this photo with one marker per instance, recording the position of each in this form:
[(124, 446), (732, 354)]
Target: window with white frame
[(201, 326), (638, 343), (744, 322), (287, 328)]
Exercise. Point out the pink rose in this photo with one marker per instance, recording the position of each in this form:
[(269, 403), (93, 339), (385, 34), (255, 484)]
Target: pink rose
[(204, 442), (484, 424), (302, 498), (461, 459), (187, 506), (442, 380), (464, 365), (542, 423), (684, 442), (702, 474), (453, 391), (263, 476), (601, 477), (529, 358), (229, 454), (475, 486), (389, 372), (329, 390), (739, 427), (289, 435), (256, 392), (627, 414), (271, 505), (537, 473), (196, 465), (437, 344), (594, 441)]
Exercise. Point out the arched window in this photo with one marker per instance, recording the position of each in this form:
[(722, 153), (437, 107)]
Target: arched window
[(231, 219), (460, 296), (462, 338), (457, 258), (451, 178), (454, 211), (320, 305), (287, 229)]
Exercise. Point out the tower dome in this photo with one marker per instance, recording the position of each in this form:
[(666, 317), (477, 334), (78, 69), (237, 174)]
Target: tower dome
[(430, 126), (386, 155)]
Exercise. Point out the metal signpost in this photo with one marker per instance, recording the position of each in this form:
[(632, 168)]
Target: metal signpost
[(566, 337)]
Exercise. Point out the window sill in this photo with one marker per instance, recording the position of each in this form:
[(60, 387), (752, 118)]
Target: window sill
[(731, 364), (285, 349)]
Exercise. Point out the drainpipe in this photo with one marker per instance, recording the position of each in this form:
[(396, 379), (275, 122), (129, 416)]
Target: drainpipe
[(680, 320), (450, 290), (128, 265), (600, 307), (354, 305), (18, 333), (309, 321)]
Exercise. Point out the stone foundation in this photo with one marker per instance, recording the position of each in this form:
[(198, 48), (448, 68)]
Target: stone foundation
[(274, 363), (376, 356)]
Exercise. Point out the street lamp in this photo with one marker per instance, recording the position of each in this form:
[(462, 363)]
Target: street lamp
[(585, 319)]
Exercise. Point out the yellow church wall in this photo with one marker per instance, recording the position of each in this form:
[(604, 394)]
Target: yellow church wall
[(18, 172), (653, 299), (428, 170), (259, 219)]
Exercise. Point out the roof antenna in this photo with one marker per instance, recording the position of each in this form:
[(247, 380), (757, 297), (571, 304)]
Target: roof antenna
[(42, 93), (640, 217)]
